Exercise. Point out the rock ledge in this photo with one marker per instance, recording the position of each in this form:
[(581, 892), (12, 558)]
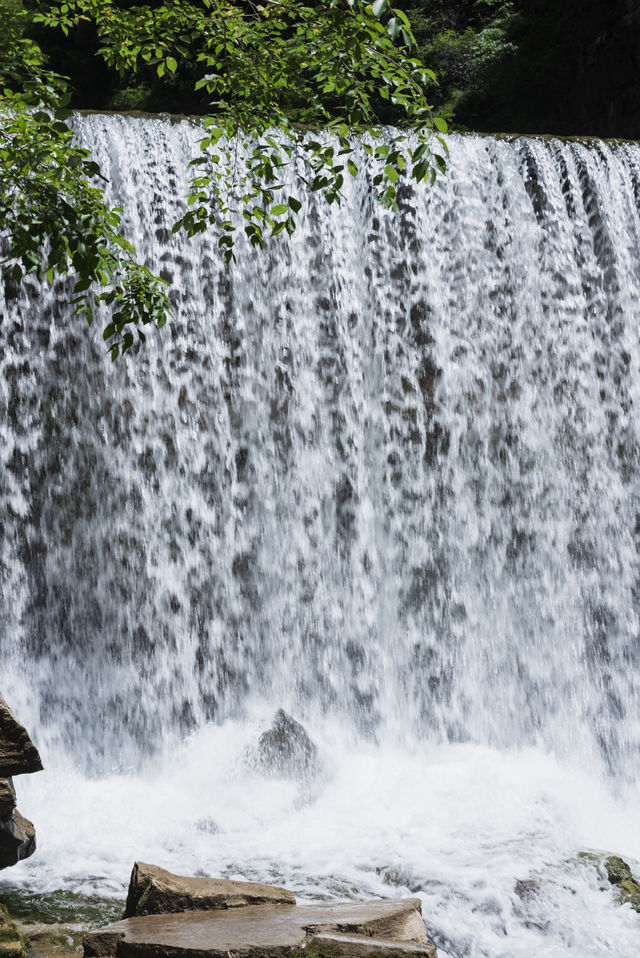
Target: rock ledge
[(361, 929), (155, 891)]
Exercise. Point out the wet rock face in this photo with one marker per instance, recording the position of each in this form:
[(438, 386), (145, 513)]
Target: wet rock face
[(7, 797), (154, 891), (17, 839), (18, 756), (286, 750)]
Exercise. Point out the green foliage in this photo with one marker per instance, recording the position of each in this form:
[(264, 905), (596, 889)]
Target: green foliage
[(277, 75), (273, 72), (54, 217), (463, 40), (8, 930), (56, 222)]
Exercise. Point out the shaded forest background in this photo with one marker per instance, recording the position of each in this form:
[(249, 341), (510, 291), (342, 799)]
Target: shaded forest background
[(567, 67)]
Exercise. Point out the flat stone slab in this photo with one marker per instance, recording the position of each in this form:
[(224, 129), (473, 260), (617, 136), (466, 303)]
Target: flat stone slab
[(269, 931)]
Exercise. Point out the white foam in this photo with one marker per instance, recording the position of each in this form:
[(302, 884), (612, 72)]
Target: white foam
[(457, 825)]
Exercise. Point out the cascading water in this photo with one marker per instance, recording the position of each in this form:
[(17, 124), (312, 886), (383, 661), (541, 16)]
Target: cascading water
[(384, 476)]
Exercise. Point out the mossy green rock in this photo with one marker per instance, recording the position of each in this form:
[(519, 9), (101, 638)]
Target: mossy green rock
[(11, 944), (619, 874), (53, 941), (629, 893), (617, 870)]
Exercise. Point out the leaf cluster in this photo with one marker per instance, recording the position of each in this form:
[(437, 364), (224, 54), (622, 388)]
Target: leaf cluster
[(54, 218), (296, 90), (273, 71)]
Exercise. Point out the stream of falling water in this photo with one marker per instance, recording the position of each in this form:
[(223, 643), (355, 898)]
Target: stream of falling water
[(384, 476)]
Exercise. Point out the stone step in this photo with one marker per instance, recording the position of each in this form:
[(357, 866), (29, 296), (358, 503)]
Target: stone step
[(267, 931)]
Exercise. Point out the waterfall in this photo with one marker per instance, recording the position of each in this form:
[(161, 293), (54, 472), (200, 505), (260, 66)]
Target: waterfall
[(385, 476)]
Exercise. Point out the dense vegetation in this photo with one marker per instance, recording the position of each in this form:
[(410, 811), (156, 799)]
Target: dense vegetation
[(520, 66), (461, 40)]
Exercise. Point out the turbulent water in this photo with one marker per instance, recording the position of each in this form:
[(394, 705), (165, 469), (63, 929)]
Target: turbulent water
[(384, 476)]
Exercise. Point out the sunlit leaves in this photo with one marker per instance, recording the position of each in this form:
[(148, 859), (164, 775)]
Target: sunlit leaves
[(298, 93), (55, 222), (291, 67)]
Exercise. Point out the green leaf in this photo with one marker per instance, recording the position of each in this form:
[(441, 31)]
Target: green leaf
[(172, 64), (379, 7), (440, 124), (295, 204), (393, 28), (278, 210)]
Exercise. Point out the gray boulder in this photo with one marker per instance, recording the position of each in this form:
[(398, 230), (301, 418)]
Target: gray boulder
[(286, 750)]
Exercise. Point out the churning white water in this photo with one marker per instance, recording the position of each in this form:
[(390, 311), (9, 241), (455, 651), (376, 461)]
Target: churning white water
[(385, 477)]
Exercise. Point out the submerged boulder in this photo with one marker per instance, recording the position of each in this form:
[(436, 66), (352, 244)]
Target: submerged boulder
[(154, 891), (18, 754), (286, 750), (394, 929)]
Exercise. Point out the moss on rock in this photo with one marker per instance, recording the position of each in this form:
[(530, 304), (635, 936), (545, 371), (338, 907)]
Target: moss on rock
[(620, 876), (617, 870), (12, 944)]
